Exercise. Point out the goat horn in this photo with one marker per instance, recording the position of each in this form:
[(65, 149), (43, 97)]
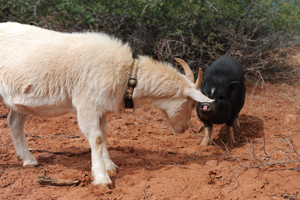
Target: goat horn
[(199, 80), (188, 72)]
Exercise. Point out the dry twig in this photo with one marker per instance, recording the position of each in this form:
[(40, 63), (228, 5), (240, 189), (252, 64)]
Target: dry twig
[(9, 169), (4, 115), (179, 165), (54, 152), (56, 181), (144, 194), (259, 159)]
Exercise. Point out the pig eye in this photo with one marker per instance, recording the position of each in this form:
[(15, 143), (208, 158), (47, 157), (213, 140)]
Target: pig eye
[(221, 98)]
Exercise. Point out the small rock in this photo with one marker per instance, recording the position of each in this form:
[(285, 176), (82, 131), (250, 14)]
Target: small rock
[(164, 126), (291, 119), (212, 163), (46, 157)]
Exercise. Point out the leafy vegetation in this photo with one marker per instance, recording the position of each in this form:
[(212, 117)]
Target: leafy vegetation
[(197, 31)]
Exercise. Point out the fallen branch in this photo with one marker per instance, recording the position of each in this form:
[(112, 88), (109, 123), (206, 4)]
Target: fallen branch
[(294, 169), (237, 181), (291, 197), (9, 169), (179, 165), (68, 136), (65, 135), (259, 160), (56, 181), (69, 131), (194, 158), (184, 162), (144, 194), (55, 152), (4, 115), (125, 135), (37, 136)]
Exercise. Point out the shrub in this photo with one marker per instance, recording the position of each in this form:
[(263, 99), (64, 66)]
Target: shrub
[(197, 31)]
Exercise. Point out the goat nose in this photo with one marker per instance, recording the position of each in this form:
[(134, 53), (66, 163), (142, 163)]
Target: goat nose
[(205, 107)]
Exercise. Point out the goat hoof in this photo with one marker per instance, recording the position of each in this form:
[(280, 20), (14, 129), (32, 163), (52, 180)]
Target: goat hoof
[(107, 186), (112, 172), (30, 165)]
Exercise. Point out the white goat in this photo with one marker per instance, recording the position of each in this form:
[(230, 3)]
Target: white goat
[(47, 73)]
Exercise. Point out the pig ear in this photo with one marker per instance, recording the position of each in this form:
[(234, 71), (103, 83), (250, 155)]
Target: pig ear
[(196, 95), (233, 87)]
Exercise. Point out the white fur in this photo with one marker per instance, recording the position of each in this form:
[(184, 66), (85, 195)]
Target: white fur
[(48, 73), (212, 91)]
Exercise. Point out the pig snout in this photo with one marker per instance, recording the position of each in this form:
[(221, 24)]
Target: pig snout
[(205, 107)]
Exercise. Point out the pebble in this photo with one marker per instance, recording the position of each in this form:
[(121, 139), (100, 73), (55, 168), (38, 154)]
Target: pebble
[(291, 119), (212, 163), (46, 157)]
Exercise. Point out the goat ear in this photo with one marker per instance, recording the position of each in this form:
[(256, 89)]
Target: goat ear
[(196, 95), (233, 87)]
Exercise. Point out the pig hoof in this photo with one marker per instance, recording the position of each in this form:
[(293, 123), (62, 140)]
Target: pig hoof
[(112, 172), (236, 123), (205, 143), (231, 143)]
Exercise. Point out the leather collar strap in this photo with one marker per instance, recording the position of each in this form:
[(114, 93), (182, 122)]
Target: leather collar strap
[(132, 81)]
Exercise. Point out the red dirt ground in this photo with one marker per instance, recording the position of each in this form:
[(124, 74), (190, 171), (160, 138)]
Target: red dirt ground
[(155, 163)]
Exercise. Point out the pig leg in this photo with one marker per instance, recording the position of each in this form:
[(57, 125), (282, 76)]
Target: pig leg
[(236, 123), (16, 122), (229, 130), (207, 137), (230, 137)]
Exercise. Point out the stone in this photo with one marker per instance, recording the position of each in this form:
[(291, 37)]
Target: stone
[(212, 162), (45, 157), (291, 119)]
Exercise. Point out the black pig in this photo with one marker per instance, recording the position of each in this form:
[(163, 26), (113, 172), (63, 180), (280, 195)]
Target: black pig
[(224, 82)]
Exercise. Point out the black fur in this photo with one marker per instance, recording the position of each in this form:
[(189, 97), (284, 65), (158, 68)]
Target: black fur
[(226, 76)]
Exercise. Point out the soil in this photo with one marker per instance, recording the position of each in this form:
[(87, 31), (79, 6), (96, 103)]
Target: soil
[(155, 163)]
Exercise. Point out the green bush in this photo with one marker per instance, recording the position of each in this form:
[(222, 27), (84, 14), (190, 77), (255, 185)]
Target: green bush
[(197, 31)]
